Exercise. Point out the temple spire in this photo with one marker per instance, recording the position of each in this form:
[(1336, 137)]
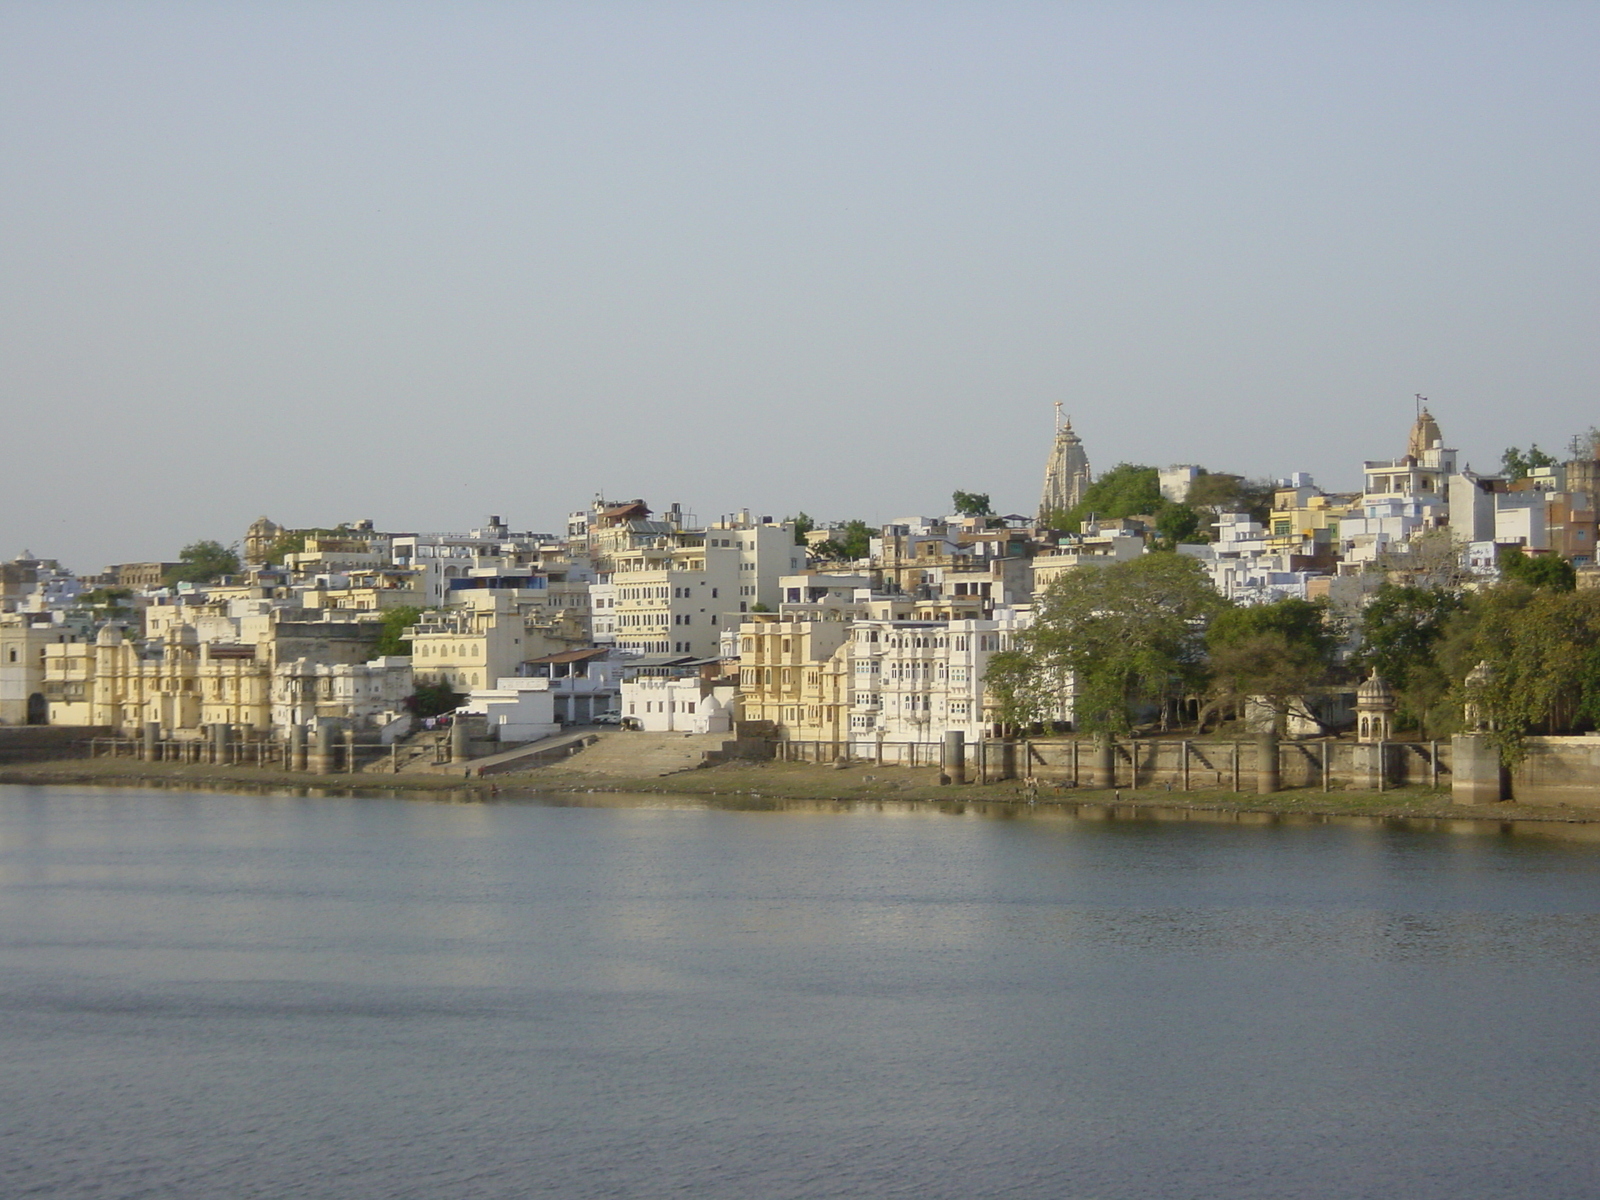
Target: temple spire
[(1067, 476)]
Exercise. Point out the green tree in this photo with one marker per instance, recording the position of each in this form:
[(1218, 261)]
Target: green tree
[(293, 541), (1403, 630), (1126, 490), (1016, 688), (803, 524), (850, 541), (1219, 492), (392, 630), (1541, 654), (1547, 571), (1176, 524), (108, 601), (972, 504), (1514, 464), (203, 562), (1276, 653), (1127, 634), (433, 699)]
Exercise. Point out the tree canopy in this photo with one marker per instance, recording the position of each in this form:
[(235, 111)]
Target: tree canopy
[(1547, 571), (1127, 634), (1273, 653), (1126, 490), (1134, 490), (1540, 653), (107, 601), (293, 541), (203, 562), (972, 504), (850, 541), (393, 626), (1514, 464), (432, 699)]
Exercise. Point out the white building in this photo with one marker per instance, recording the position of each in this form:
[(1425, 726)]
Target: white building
[(1244, 566), (516, 710), (678, 705), (676, 594), (603, 613), (584, 683), (490, 550), (913, 681), (369, 695)]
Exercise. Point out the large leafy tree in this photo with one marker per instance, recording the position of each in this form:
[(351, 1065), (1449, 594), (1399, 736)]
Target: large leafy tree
[(203, 562), (1517, 465), (1220, 492), (972, 504), (1403, 629), (1017, 691), (1128, 634), (1547, 571), (850, 541), (1126, 490), (1177, 523), (1540, 651), (392, 630), (1275, 653), (1132, 490), (432, 699)]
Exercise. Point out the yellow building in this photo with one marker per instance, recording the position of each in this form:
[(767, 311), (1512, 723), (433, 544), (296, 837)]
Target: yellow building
[(195, 673), (1306, 521), (796, 674), (371, 591), (488, 634)]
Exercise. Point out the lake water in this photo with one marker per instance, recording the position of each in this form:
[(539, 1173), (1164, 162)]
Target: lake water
[(223, 996)]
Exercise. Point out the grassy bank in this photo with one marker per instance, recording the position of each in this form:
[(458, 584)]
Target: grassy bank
[(744, 784)]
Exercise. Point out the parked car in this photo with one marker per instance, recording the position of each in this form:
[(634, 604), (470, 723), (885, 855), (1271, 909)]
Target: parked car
[(608, 718)]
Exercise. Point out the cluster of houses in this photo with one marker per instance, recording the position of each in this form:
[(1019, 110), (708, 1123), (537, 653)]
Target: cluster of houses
[(660, 622)]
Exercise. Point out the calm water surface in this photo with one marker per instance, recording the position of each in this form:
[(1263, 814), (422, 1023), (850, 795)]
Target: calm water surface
[(212, 996)]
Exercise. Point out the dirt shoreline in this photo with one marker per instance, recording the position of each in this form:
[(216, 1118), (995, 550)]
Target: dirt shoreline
[(766, 784)]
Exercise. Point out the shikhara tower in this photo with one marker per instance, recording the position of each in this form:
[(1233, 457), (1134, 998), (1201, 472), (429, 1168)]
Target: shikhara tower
[(1067, 477)]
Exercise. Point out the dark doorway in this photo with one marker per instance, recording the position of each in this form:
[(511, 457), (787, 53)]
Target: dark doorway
[(38, 710)]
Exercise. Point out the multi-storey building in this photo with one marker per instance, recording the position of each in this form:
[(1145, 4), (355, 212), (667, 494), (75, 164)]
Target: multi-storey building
[(25, 639), (486, 635), (677, 594), (916, 680), (207, 671), (795, 672), (491, 550)]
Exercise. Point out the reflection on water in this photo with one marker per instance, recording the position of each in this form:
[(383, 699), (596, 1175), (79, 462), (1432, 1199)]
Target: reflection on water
[(288, 995)]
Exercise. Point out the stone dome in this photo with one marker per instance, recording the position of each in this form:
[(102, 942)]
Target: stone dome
[(1375, 693)]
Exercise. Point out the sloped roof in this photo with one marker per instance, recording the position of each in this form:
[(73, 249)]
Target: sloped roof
[(570, 656)]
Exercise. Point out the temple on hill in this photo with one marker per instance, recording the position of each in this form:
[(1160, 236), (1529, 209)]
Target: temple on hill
[(1067, 476)]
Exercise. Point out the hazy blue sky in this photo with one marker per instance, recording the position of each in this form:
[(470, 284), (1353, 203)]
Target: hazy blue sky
[(424, 262)]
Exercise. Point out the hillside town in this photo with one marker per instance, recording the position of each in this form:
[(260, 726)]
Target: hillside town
[(836, 635)]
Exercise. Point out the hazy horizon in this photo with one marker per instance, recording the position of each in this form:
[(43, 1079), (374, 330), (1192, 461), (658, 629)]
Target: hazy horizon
[(422, 264)]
